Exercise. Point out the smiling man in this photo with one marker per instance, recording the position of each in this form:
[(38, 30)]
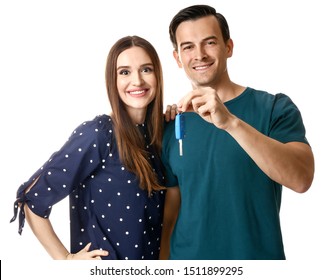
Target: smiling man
[(241, 146)]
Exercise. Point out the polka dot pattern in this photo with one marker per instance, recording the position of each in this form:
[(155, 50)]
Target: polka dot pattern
[(107, 206)]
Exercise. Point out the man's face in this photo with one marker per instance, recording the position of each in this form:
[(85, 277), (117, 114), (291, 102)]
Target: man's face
[(202, 51)]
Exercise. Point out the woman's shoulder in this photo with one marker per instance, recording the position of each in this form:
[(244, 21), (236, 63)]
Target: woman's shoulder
[(100, 127), (98, 123)]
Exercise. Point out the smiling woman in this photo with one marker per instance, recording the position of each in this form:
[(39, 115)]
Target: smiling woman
[(136, 81), (110, 168), (52, 77)]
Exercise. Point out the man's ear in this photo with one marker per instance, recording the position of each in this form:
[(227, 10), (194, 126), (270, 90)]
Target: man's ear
[(176, 56), (230, 46)]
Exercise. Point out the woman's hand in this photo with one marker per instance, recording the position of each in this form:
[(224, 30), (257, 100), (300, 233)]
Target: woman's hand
[(170, 113), (85, 254)]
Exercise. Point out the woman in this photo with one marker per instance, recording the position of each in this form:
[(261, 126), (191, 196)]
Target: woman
[(110, 167)]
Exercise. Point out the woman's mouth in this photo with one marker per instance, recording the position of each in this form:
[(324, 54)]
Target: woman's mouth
[(137, 93)]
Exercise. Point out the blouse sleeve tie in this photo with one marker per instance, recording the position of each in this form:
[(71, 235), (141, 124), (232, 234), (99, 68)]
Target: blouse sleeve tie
[(19, 203)]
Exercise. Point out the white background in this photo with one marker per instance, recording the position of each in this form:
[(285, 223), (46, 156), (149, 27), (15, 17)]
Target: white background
[(52, 60)]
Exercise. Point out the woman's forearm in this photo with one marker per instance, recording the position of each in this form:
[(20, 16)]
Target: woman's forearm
[(43, 230)]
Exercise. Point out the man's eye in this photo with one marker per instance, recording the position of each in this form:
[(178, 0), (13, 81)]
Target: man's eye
[(187, 48)]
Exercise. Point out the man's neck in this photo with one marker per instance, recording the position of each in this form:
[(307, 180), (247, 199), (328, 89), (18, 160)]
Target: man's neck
[(229, 91)]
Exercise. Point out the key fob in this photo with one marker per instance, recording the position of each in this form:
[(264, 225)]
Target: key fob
[(180, 126)]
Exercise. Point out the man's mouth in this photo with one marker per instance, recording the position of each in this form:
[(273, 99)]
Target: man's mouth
[(202, 67)]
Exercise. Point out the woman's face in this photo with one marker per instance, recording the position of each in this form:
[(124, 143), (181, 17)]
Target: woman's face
[(136, 81)]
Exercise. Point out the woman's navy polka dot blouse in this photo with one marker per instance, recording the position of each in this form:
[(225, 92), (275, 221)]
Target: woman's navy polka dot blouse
[(107, 206)]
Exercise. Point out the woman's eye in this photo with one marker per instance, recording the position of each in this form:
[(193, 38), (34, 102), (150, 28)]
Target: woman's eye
[(124, 72), (147, 70)]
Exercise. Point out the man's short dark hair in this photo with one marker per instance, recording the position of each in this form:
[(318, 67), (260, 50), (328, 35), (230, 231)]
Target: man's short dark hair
[(193, 13)]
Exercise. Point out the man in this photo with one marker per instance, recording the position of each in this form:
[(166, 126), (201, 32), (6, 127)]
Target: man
[(240, 147)]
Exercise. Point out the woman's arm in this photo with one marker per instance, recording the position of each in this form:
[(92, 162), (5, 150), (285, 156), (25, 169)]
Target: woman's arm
[(43, 230), (171, 209)]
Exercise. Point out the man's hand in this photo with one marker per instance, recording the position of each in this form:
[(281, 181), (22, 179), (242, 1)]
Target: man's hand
[(207, 103)]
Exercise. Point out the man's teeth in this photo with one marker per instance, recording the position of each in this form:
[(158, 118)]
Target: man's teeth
[(201, 67)]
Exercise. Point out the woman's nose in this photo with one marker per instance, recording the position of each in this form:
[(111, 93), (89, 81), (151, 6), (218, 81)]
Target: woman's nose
[(137, 79)]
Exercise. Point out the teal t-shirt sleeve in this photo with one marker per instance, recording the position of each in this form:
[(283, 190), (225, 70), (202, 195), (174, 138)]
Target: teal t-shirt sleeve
[(170, 178), (286, 122)]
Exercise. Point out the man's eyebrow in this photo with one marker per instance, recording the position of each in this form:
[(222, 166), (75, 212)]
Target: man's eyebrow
[(212, 37), (185, 43)]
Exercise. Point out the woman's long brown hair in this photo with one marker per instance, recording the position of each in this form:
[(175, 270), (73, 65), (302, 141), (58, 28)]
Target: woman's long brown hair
[(130, 142)]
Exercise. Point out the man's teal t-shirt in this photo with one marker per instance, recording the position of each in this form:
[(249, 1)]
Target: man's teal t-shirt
[(229, 207)]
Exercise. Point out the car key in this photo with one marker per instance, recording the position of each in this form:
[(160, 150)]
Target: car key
[(180, 131)]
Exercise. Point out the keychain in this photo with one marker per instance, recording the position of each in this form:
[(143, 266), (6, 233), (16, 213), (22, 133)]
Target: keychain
[(180, 131)]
